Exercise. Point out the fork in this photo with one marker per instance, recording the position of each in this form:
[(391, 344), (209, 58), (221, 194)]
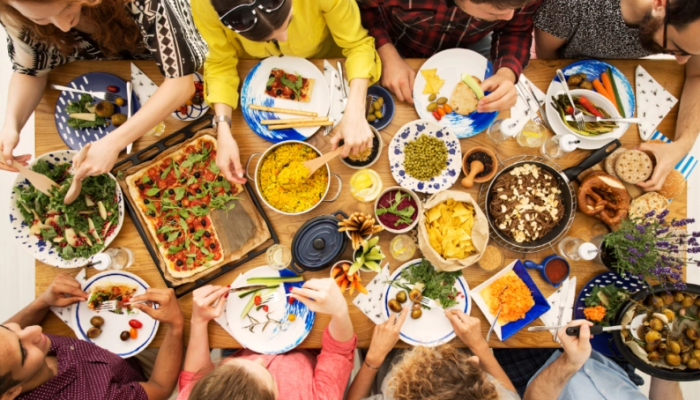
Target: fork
[(529, 112), (530, 93), (428, 302), (112, 305), (272, 298), (578, 115), (100, 95), (495, 321)]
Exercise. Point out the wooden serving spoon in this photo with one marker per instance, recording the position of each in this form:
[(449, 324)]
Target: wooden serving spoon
[(41, 182), (316, 163), (474, 168), (76, 186)]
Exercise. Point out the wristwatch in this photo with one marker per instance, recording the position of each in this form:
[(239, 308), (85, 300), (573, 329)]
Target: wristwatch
[(220, 118)]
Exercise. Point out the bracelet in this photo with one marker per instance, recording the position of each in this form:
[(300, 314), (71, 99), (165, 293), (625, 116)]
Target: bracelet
[(371, 366)]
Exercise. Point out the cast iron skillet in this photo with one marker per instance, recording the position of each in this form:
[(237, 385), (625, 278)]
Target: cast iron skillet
[(567, 197), (662, 373)]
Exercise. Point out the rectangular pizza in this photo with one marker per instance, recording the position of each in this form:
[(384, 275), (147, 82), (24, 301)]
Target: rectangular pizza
[(175, 196), (283, 85)]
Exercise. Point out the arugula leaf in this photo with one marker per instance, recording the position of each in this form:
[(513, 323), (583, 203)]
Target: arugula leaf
[(152, 191), (180, 193), (213, 167), (183, 224), (145, 179), (270, 81), (295, 86), (174, 249), (404, 214), (173, 235), (439, 286)]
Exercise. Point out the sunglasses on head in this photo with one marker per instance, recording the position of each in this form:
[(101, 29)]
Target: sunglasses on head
[(243, 18)]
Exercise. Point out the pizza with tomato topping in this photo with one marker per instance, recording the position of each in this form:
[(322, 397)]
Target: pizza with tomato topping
[(283, 85), (175, 195)]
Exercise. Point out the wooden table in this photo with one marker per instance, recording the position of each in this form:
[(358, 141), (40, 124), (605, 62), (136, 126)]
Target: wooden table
[(668, 73)]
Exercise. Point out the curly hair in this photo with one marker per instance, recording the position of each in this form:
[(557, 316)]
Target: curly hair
[(232, 382), (440, 373), (114, 28)]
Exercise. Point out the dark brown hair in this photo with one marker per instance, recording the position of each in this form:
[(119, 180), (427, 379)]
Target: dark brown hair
[(7, 383), (440, 373), (501, 4), (230, 382), (267, 22), (114, 28)]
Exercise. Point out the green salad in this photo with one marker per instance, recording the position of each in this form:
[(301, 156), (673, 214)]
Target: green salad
[(437, 285), (75, 230)]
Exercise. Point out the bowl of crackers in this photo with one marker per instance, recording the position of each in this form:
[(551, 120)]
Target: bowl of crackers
[(367, 157)]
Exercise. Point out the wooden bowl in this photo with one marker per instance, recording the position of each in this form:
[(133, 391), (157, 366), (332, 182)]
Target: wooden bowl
[(465, 167)]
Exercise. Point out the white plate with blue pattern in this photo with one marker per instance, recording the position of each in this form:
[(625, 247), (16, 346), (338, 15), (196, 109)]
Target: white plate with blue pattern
[(432, 328), (38, 248), (114, 323), (410, 132), (450, 65), (275, 338), (194, 111), (592, 69), (253, 92)]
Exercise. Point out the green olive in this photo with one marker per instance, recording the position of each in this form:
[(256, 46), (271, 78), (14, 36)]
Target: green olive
[(371, 118), (441, 100), (415, 314), (394, 305), (673, 359), (378, 114), (97, 321), (377, 106), (432, 97), (432, 107), (380, 101)]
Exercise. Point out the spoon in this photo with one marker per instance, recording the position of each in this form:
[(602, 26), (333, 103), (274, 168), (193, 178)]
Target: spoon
[(77, 185), (474, 168), (495, 320), (41, 182), (314, 164)]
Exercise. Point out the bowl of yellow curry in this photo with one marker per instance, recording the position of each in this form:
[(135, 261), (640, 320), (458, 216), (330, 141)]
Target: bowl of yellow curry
[(280, 178)]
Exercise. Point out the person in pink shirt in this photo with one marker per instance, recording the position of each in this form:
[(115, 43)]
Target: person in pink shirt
[(298, 374)]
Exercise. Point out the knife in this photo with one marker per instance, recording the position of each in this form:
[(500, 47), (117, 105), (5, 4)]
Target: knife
[(539, 105), (128, 108), (574, 330), (590, 118), (99, 95), (250, 287), (342, 82), (562, 304)]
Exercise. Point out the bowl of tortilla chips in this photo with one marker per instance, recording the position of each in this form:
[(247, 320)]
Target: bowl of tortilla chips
[(452, 231)]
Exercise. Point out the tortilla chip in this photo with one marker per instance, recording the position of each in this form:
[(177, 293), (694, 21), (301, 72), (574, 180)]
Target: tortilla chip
[(449, 226), (433, 83)]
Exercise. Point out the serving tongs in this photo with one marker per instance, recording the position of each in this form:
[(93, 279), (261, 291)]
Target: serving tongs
[(77, 185), (41, 182)]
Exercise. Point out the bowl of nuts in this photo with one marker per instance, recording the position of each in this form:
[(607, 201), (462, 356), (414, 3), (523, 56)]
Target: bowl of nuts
[(381, 111)]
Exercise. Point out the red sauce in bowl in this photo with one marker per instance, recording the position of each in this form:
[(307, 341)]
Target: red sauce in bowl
[(556, 270), (388, 219)]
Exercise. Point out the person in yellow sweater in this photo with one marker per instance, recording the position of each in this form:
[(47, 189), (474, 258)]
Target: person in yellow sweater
[(241, 29)]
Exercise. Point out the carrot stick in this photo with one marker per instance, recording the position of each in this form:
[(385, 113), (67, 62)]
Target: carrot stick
[(608, 86), (602, 90), (343, 285), (361, 288), (340, 279), (352, 287)]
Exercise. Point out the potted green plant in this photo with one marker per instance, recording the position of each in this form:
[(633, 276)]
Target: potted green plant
[(650, 247)]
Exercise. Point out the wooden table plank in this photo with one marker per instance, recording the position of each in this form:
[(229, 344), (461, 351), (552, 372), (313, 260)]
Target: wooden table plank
[(540, 72)]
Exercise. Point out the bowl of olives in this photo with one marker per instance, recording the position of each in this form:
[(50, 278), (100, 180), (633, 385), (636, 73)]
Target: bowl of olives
[(667, 343), (380, 111)]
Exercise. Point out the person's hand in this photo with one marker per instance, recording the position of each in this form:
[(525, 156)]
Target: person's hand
[(502, 88), (577, 349), (168, 311), (203, 308), (354, 130), (385, 337), (228, 158), (63, 291), (97, 159), (467, 328), (322, 296), (397, 75), (667, 156), (8, 141)]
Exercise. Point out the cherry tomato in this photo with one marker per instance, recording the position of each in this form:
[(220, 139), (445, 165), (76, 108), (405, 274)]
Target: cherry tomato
[(133, 333), (135, 324), (265, 308), (112, 89), (437, 115), (182, 109), (441, 111), (447, 108), (292, 317), (257, 300), (199, 86), (291, 300)]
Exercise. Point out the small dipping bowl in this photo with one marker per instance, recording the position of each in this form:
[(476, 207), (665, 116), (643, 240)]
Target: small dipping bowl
[(554, 269), (494, 164), (377, 147), (387, 109)]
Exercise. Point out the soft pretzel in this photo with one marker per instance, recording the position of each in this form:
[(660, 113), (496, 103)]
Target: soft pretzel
[(605, 197)]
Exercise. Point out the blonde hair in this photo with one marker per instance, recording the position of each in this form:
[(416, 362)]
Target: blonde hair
[(230, 381), (114, 27), (440, 373)]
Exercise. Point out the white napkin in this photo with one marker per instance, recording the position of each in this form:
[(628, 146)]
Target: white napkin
[(653, 102), (551, 317), (337, 107), (371, 304), (144, 87), (520, 109), (67, 314), (223, 319)]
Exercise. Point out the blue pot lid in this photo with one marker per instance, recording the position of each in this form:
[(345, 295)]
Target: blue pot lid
[(317, 244)]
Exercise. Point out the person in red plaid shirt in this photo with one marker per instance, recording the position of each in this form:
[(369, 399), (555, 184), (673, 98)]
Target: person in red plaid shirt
[(421, 28)]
